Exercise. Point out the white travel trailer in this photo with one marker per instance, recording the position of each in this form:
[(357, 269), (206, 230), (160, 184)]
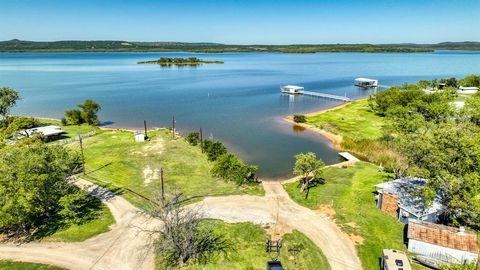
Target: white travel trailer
[(365, 82)]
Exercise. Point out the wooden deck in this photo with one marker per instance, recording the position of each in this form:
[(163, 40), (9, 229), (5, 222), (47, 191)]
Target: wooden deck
[(323, 95), (348, 156)]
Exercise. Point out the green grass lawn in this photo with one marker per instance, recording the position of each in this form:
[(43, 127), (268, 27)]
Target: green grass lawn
[(11, 265), (77, 233), (248, 252), (355, 120), (114, 159), (350, 192)]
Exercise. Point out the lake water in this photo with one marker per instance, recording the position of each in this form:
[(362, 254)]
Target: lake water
[(237, 102)]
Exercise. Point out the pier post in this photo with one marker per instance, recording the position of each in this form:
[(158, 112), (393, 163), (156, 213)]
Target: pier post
[(81, 151), (173, 127), (201, 139), (145, 125)]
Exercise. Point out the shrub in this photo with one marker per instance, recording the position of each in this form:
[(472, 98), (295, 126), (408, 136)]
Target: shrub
[(213, 149), (230, 168), (193, 138), (299, 118), (74, 117)]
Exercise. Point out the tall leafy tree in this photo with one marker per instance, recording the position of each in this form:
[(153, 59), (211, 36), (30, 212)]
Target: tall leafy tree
[(449, 156), (309, 168), (8, 99), (33, 179), (90, 110)]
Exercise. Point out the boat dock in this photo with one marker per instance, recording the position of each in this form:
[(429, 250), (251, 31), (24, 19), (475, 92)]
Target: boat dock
[(300, 90), (323, 95), (348, 156)]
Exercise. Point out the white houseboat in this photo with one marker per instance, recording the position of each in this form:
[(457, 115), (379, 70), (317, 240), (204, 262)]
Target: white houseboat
[(292, 89), (365, 82)]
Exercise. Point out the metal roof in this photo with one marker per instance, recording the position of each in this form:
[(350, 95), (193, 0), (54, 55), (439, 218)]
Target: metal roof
[(45, 131), (291, 86), (441, 235), (409, 191), (365, 80)]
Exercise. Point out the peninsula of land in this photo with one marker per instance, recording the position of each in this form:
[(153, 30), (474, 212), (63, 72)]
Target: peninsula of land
[(190, 61)]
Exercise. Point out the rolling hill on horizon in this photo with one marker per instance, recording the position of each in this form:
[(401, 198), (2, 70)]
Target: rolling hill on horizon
[(16, 45)]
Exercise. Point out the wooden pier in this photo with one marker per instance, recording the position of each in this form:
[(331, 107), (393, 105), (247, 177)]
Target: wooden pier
[(323, 95)]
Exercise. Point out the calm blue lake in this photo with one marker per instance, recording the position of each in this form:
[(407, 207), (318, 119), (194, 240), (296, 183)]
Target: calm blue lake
[(237, 102)]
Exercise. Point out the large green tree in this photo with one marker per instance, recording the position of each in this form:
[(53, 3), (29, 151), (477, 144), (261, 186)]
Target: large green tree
[(449, 156), (309, 168), (90, 110), (230, 168), (88, 113), (8, 99), (33, 181)]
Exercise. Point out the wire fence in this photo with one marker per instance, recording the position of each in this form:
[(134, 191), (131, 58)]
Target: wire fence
[(75, 139)]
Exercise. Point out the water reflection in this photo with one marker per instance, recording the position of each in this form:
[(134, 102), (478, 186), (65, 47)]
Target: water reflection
[(297, 129)]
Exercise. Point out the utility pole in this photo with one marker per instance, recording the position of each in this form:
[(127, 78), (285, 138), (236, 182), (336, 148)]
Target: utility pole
[(201, 139), (81, 150), (145, 125), (161, 179), (173, 127)]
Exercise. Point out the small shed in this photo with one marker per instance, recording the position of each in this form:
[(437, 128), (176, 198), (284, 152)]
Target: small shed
[(401, 199), (139, 137), (445, 243)]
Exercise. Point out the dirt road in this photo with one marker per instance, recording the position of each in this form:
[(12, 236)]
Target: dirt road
[(127, 246), (277, 208)]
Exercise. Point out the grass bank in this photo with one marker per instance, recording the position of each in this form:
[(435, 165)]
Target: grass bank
[(11, 265), (355, 120), (356, 129), (114, 160), (348, 196), (81, 232), (249, 250)]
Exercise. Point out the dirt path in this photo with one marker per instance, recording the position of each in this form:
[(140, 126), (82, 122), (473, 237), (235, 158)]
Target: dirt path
[(127, 246), (277, 208)]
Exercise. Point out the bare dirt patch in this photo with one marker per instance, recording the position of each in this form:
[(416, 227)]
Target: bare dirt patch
[(357, 239), (150, 175), (278, 230), (327, 209), (153, 147)]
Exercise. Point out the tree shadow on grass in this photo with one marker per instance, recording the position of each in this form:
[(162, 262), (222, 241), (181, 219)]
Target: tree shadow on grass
[(87, 209), (99, 168)]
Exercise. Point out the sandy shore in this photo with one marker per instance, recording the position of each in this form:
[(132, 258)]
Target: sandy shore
[(334, 138)]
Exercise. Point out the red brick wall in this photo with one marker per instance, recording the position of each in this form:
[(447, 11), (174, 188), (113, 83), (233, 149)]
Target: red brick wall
[(389, 204)]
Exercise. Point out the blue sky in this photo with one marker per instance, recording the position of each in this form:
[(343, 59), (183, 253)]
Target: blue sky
[(243, 22)]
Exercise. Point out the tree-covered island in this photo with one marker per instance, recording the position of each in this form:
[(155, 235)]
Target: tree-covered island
[(178, 61)]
